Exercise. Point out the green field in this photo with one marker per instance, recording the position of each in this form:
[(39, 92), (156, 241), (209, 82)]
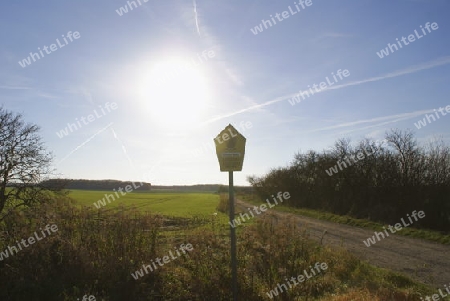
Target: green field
[(168, 203)]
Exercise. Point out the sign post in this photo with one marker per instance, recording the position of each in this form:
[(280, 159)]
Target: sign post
[(232, 236), (230, 150)]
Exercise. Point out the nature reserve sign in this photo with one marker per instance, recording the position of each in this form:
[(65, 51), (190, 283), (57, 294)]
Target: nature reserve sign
[(230, 149)]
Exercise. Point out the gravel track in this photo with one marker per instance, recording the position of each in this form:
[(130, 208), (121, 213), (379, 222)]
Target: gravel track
[(419, 259)]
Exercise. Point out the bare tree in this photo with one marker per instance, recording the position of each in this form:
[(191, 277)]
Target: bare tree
[(411, 160), (438, 163), (23, 163)]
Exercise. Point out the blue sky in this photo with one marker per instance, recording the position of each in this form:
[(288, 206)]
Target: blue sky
[(178, 72)]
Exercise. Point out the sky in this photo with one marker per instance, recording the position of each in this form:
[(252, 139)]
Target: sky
[(138, 90)]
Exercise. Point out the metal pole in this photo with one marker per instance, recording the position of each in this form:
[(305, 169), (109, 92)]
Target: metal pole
[(233, 236)]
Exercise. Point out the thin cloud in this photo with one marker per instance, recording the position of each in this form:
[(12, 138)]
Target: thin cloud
[(337, 35), (14, 88), (436, 63), (123, 147), (47, 95), (84, 143), (257, 106), (196, 16), (233, 76), (384, 119), (331, 35), (83, 91), (413, 69)]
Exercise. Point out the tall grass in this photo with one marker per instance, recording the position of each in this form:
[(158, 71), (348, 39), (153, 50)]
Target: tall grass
[(92, 252)]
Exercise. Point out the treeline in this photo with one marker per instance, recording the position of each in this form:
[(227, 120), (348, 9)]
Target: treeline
[(93, 184), (377, 180)]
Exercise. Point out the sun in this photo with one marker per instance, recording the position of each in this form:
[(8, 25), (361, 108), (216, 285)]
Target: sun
[(176, 93)]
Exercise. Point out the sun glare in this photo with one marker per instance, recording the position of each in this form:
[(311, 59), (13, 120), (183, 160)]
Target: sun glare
[(176, 93)]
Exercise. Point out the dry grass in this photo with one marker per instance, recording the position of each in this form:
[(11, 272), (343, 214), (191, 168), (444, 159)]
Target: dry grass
[(95, 252)]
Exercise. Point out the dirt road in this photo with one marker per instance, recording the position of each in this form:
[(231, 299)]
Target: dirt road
[(421, 260)]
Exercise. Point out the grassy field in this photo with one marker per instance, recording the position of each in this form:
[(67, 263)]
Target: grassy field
[(165, 203)]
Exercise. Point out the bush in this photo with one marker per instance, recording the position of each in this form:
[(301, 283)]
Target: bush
[(224, 204)]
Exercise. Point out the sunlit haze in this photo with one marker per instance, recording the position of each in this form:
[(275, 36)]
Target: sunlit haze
[(139, 92)]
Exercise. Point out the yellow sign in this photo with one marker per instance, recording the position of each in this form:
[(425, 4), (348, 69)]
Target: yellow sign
[(230, 149)]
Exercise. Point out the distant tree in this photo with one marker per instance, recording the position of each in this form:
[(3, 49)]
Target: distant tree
[(23, 163)]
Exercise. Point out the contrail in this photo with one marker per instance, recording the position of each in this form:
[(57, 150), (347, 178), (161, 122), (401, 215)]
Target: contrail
[(413, 69), (82, 144), (384, 120), (196, 16), (123, 147)]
